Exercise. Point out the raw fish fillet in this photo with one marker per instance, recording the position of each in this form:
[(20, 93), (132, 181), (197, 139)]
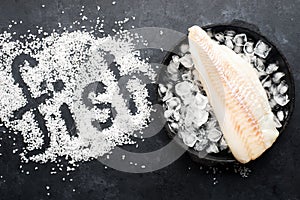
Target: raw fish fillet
[(236, 95)]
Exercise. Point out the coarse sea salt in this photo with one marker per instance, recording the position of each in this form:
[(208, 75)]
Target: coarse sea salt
[(57, 74)]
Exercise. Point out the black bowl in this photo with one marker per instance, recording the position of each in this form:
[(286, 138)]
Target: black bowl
[(274, 56)]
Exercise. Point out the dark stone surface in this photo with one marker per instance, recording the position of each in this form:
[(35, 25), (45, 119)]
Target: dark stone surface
[(276, 175)]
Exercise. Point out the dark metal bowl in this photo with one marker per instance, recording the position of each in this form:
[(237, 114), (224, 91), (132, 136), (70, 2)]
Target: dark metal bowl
[(274, 55)]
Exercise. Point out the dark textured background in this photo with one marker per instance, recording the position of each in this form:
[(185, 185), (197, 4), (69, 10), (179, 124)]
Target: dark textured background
[(276, 175)]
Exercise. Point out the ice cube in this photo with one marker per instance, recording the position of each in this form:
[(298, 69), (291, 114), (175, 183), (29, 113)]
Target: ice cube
[(272, 68), (187, 61), (214, 135), (219, 37), (280, 115), (249, 48), (262, 49), (229, 43), (277, 76), (189, 139), (212, 148), (281, 99), (184, 48), (282, 87), (240, 39), (183, 88)]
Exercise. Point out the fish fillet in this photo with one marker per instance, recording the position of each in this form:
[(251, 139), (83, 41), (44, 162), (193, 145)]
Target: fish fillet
[(236, 95)]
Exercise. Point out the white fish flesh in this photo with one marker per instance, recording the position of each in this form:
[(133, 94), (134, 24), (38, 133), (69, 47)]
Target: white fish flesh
[(236, 95)]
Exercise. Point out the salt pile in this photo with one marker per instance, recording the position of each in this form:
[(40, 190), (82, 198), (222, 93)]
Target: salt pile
[(60, 92)]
